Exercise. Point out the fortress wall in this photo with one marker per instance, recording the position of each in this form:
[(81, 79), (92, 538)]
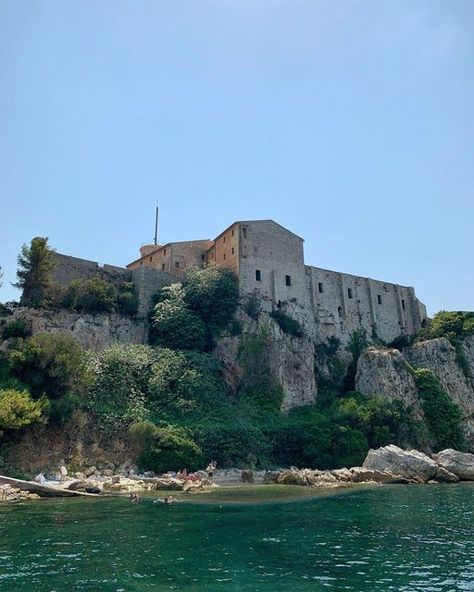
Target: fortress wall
[(276, 253), (72, 268), (343, 303), (148, 282)]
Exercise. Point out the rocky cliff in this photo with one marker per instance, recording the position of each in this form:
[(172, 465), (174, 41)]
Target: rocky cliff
[(389, 372)]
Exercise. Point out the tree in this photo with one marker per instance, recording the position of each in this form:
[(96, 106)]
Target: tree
[(92, 295), (50, 363), (35, 272), (17, 409)]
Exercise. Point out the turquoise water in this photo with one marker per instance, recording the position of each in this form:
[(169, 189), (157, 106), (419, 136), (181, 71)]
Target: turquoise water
[(404, 538)]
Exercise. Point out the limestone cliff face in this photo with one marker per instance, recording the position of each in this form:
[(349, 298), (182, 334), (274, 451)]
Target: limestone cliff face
[(386, 372), (94, 332), (290, 360)]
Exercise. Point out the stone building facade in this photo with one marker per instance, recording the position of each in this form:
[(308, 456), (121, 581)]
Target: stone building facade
[(269, 262)]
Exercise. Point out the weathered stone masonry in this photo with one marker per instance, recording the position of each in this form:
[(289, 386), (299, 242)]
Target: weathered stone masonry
[(269, 262)]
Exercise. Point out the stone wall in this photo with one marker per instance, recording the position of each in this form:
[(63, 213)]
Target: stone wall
[(72, 268)]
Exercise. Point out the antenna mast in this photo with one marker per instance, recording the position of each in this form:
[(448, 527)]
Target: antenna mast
[(156, 225)]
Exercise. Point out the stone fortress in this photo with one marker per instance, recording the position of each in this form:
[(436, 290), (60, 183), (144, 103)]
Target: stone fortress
[(269, 262)]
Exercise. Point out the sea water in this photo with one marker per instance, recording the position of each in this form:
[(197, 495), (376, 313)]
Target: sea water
[(252, 539)]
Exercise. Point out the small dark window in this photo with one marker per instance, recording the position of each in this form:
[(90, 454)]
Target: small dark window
[(379, 298), (403, 304), (232, 232), (151, 258), (320, 288), (223, 240), (224, 256), (163, 266), (203, 257), (279, 304), (176, 264), (233, 251), (244, 232), (288, 280), (349, 292), (339, 311), (258, 275), (141, 262), (164, 252)]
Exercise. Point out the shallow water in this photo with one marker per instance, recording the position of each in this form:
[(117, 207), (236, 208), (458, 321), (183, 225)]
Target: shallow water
[(264, 539)]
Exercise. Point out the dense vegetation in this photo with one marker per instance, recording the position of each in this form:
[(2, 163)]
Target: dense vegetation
[(169, 398)]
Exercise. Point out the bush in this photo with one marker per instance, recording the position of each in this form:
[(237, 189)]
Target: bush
[(287, 324), (442, 415), (174, 325), (90, 296), (168, 448), (50, 363), (127, 300), (16, 328), (17, 409)]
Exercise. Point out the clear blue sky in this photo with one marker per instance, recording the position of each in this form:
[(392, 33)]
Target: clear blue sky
[(348, 121)]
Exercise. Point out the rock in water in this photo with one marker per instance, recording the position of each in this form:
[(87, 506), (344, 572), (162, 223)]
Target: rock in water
[(409, 464), (247, 476), (459, 463)]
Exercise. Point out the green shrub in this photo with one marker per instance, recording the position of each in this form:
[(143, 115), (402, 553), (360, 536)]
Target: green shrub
[(18, 409), (442, 415), (287, 324), (50, 363), (252, 306), (17, 328), (127, 300), (174, 324), (93, 295), (169, 448)]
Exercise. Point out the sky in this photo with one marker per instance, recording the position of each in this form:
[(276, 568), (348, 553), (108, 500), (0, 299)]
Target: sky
[(350, 122)]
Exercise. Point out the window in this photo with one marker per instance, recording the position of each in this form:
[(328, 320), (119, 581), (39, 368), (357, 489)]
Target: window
[(339, 311), (176, 264), (223, 240), (233, 250), (288, 280), (141, 262), (203, 257), (151, 258), (244, 232), (379, 298), (232, 232), (320, 288), (164, 252), (224, 256), (403, 304), (162, 266), (258, 275), (349, 292)]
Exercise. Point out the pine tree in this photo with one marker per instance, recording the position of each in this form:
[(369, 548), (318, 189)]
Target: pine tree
[(35, 272)]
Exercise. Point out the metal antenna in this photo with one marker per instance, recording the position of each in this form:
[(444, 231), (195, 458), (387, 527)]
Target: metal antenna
[(156, 226)]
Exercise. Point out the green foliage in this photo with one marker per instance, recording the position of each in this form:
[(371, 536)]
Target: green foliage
[(287, 324), (357, 343), (252, 307), (213, 295), (35, 272), (454, 326), (166, 448), (192, 314), (402, 341), (50, 363), (127, 300), (18, 409), (92, 295), (174, 324), (16, 328), (442, 415)]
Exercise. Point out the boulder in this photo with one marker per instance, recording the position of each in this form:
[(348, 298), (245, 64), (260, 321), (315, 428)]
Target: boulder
[(445, 476), (342, 474), (459, 463), (409, 464)]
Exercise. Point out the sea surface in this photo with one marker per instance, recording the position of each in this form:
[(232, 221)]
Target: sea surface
[(252, 539)]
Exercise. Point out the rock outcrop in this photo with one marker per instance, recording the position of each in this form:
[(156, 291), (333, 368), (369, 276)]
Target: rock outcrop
[(388, 372), (410, 464), (95, 332), (459, 463)]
